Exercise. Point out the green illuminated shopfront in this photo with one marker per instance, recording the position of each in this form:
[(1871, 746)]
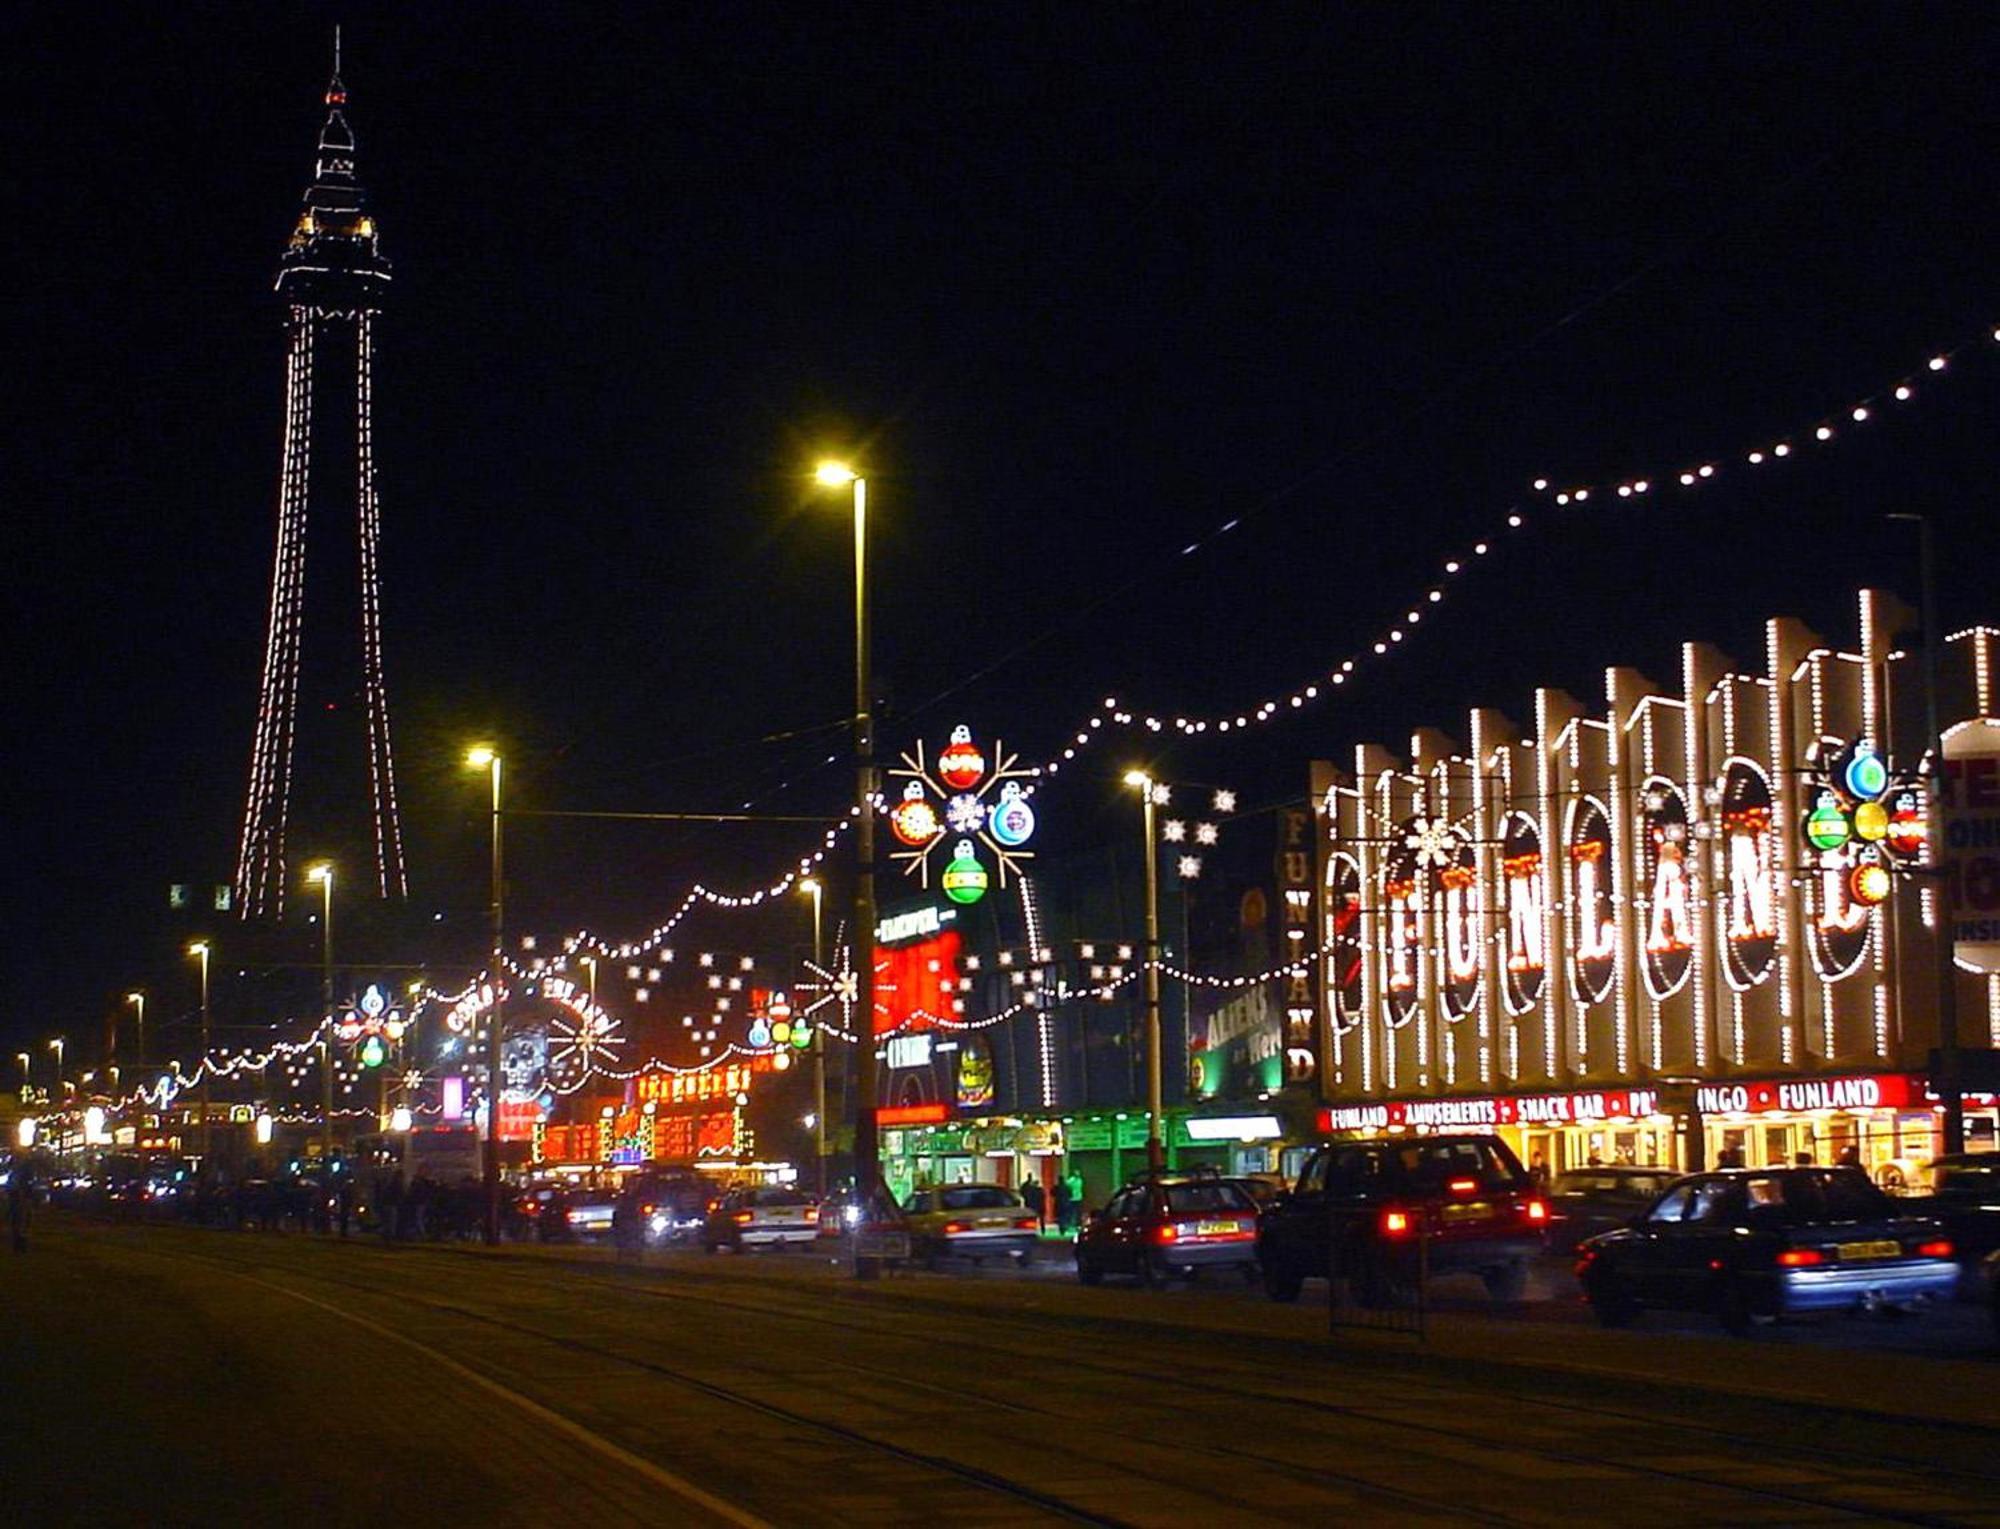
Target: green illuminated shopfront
[(1107, 1147)]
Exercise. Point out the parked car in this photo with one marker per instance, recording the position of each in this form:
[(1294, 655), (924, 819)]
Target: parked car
[(1385, 1212), (1587, 1201), (766, 1217), (1169, 1226), (975, 1221), (1754, 1245), (576, 1215), (1965, 1201)]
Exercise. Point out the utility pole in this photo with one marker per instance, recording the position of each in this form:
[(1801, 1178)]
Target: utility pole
[(1156, 1149)]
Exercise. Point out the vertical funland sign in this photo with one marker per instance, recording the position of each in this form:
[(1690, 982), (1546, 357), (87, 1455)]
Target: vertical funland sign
[(1970, 856)]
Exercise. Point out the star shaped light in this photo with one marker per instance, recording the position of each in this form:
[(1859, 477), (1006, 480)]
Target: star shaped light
[(1173, 830), (1190, 867), (1225, 801), (1204, 833)]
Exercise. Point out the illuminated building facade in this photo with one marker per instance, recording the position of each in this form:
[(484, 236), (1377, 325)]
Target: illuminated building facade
[(321, 763), (1580, 931)]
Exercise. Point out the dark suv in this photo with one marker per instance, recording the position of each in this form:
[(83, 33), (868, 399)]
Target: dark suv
[(1383, 1213)]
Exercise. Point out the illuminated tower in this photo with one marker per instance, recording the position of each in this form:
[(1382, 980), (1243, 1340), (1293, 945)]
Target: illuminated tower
[(323, 707)]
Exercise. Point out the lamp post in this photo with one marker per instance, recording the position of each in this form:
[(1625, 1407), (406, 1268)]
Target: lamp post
[(810, 885), (867, 1146), (1949, 1086), (322, 874), (26, 1073), (1155, 1142), (199, 950), (138, 1001), (56, 1046), (484, 757)]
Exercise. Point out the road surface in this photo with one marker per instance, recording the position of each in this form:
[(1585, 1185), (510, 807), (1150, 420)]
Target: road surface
[(164, 1375)]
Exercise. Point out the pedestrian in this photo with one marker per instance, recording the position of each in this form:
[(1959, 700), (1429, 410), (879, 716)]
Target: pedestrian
[(1850, 1156), (1031, 1192), (1732, 1157), (389, 1205), (1538, 1171), (19, 1195), (1073, 1181), (346, 1201), (1059, 1193), (422, 1191), (1802, 1160)]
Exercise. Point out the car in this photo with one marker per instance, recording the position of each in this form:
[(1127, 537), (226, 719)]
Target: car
[(576, 1215), (767, 1217), (1586, 1201), (1965, 1200), (1754, 1245), (1170, 1226), (659, 1208), (1385, 1213), (975, 1221)]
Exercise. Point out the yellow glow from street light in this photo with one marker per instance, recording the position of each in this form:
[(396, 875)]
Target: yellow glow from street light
[(135, 997), (1138, 778), (833, 474), (323, 871), (198, 948), (480, 756), (808, 885)]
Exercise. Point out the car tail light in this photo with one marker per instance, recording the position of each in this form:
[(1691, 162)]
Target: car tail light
[(1937, 1248), (1026, 1224), (647, 1210), (744, 1217), (576, 1215), (1464, 1186), (1801, 1258), (953, 1228), (812, 1213), (1538, 1210), (1395, 1223), (1166, 1231)]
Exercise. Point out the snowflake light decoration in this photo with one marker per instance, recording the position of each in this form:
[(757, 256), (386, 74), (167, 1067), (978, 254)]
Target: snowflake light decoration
[(965, 804), (582, 1041), (1432, 842)]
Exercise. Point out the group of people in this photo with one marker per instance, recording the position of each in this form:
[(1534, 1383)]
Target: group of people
[(1061, 1201), (421, 1209)]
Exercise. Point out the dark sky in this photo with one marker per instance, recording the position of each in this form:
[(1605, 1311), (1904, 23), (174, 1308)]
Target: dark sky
[(1078, 283)]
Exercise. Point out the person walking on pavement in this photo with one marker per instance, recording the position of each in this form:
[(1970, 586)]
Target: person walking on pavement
[(1031, 1193), (20, 1186), (345, 1198), (1060, 1196), (1073, 1181)]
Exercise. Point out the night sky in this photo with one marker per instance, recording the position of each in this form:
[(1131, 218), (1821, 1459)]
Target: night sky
[(1077, 284)]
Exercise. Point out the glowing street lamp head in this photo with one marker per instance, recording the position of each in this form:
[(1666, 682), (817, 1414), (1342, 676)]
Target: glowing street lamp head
[(834, 474), (1138, 778), (198, 948), (321, 872), (135, 997), (480, 756), (808, 885)]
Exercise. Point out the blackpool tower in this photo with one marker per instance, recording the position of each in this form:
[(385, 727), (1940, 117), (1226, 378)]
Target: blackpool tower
[(322, 771)]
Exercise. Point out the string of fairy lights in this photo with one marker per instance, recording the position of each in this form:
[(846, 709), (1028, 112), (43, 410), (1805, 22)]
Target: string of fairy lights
[(1546, 498)]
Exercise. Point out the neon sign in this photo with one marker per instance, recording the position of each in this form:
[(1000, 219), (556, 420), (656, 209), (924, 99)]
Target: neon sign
[(1750, 907), (1341, 940), (1668, 901), (1594, 929), (1526, 901)]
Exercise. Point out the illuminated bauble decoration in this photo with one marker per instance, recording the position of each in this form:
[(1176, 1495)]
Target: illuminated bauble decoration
[(802, 1036), (782, 1060), (1826, 824), (1871, 822), (780, 1009), (372, 1001), (1865, 777), (393, 1027), (1909, 829), (760, 1033), (965, 879), (781, 1031), (373, 1052), (1870, 884), (914, 820), (349, 1028), (961, 764), (1012, 821)]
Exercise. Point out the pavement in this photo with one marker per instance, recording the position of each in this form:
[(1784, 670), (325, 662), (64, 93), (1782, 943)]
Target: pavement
[(166, 1375)]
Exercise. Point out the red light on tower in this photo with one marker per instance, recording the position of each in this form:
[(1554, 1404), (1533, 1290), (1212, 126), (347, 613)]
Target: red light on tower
[(960, 764)]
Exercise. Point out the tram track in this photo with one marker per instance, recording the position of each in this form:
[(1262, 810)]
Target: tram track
[(971, 1474), (1033, 1349), (1210, 1383)]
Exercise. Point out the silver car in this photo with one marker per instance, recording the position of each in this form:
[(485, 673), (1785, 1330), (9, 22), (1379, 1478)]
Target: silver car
[(762, 1218), (972, 1221)]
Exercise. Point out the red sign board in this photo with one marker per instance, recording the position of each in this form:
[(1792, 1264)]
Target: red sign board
[(912, 1115), (1887, 1091)]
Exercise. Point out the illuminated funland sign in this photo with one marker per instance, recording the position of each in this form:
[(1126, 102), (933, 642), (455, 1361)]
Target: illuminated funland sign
[(1580, 1108)]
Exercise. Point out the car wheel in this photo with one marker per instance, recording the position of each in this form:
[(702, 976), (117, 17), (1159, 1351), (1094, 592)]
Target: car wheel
[(1608, 1301), (1088, 1273), (1281, 1281), (1732, 1308), (1508, 1281)]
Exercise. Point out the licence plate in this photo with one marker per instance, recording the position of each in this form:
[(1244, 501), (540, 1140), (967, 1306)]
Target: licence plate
[(1476, 1210), (1860, 1250), (1216, 1228)]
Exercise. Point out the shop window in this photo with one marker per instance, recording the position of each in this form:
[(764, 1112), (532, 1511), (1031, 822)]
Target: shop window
[(1292, 1162)]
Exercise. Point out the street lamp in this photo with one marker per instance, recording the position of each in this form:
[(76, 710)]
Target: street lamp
[(199, 950), (56, 1046), (1155, 1143), (322, 874), (26, 1072), (138, 1001), (867, 1146), (485, 757), (817, 1124)]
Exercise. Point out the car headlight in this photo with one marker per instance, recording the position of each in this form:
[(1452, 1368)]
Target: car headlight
[(658, 1223), (851, 1215)]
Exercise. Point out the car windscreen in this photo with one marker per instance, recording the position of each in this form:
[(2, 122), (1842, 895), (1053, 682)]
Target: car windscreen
[(1201, 1199), (1813, 1197), (777, 1197), (979, 1197), (1432, 1165)]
